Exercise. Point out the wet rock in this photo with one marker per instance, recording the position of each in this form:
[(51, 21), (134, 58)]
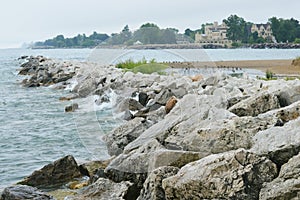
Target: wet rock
[(68, 97), (91, 168), (54, 174), (256, 105), (24, 192), (86, 87), (152, 189), (72, 107), (286, 185), (104, 189), (143, 98), (45, 71), (231, 175)]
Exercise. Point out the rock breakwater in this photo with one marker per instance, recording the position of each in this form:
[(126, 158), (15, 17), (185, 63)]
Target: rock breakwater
[(225, 138)]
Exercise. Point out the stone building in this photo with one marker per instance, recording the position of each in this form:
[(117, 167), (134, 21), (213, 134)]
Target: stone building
[(263, 30), (214, 34)]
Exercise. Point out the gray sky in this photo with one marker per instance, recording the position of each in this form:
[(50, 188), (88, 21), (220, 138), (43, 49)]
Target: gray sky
[(34, 20)]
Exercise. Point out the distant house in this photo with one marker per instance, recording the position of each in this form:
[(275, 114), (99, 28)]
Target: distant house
[(263, 30), (214, 34), (138, 43)]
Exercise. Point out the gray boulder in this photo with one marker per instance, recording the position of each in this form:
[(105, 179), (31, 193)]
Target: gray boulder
[(186, 109), (218, 134), (286, 185), (236, 174), (289, 94), (129, 104), (164, 96), (18, 192), (143, 98), (72, 107), (279, 143), (54, 174), (256, 105), (136, 165), (152, 189), (104, 189), (121, 136)]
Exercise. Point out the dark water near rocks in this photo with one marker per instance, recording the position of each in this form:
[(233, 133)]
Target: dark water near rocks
[(34, 130)]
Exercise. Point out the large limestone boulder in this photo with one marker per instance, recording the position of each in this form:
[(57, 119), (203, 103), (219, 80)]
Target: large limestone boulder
[(136, 165), (286, 185), (17, 192), (256, 105), (216, 136), (192, 109), (54, 174), (118, 138), (279, 143), (86, 86), (289, 94), (236, 174), (152, 189)]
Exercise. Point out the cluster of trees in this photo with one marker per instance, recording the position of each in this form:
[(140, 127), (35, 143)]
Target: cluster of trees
[(148, 33), (79, 41), (285, 30), (239, 30)]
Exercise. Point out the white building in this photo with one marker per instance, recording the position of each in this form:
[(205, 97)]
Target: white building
[(214, 34)]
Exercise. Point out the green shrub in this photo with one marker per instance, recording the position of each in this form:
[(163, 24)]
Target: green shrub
[(297, 41), (142, 66), (150, 68), (269, 74), (130, 64)]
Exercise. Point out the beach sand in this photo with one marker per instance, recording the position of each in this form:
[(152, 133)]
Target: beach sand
[(279, 67)]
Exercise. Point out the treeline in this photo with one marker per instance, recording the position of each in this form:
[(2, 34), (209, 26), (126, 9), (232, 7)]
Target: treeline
[(79, 41), (148, 33), (285, 30), (239, 31)]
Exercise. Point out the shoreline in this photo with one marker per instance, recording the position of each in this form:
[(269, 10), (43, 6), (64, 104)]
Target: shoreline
[(280, 67)]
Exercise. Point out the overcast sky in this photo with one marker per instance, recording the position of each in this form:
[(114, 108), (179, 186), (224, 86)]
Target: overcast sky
[(35, 20)]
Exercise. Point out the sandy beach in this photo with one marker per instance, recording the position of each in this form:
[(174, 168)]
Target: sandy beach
[(280, 67)]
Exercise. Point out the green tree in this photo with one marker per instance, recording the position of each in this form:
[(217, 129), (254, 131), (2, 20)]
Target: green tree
[(236, 27), (148, 34), (285, 30)]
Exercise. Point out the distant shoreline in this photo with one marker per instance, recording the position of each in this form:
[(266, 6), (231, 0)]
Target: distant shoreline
[(282, 67), (182, 46)]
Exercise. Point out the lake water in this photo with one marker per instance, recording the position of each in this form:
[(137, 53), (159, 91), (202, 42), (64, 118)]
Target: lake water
[(34, 130)]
